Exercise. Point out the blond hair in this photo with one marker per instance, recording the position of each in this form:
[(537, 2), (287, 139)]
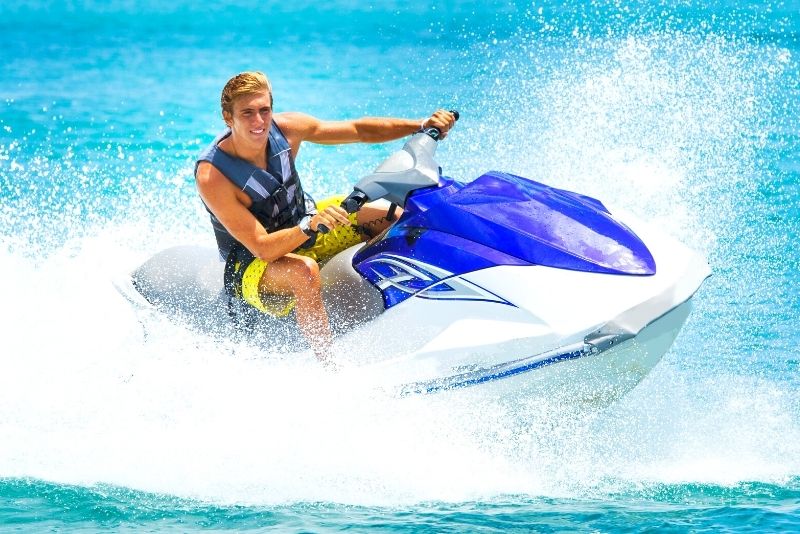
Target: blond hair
[(244, 83)]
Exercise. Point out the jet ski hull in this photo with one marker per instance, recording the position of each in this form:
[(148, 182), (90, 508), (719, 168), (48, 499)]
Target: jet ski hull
[(591, 344), (578, 373)]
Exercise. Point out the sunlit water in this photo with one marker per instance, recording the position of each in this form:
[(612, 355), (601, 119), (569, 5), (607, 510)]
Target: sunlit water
[(682, 113)]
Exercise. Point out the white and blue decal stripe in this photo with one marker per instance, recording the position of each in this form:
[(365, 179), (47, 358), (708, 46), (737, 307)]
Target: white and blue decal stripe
[(498, 372)]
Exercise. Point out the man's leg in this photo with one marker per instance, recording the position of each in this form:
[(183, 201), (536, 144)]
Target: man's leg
[(299, 276), (373, 218)]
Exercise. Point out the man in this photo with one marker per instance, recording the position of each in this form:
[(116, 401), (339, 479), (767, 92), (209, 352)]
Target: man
[(265, 224)]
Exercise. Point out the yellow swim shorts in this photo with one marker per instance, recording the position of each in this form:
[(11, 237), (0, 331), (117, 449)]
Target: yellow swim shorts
[(325, 247)]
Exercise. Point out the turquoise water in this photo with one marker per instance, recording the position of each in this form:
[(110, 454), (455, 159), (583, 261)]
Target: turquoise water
[(683, 112)]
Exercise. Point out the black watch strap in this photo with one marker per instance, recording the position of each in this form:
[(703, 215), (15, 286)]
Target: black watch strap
[(305, 226)]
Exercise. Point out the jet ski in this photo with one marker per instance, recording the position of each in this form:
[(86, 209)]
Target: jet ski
[(501, 282)]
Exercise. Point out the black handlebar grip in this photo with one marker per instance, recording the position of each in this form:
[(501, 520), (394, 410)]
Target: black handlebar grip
[(354, 202)]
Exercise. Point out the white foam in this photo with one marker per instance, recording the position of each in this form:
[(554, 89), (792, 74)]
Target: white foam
[(88, 398)]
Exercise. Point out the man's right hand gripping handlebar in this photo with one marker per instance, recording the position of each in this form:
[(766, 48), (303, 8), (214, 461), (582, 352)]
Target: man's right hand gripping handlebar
[(328, 219)]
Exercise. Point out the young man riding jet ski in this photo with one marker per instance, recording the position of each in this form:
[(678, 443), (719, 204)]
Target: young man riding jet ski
[(265, 224)]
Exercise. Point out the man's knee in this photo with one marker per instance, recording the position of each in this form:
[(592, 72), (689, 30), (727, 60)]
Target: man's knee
[(305, 275)]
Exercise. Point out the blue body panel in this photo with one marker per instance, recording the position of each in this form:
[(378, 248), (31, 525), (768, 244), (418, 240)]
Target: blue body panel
[(498, 219)]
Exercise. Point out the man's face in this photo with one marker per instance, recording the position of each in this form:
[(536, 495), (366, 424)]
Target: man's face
[(251, 117)]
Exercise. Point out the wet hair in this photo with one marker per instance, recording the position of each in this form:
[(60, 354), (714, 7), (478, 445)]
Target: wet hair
[(244, 83)]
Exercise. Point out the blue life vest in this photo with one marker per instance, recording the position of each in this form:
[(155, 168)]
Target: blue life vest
[(278, 198)]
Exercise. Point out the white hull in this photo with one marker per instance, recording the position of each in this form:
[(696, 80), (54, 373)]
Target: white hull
[(592, 336), (589, 336), (592, 378)]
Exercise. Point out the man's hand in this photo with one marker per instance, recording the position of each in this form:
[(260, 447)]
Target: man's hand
[(331, 217), (442, 120)]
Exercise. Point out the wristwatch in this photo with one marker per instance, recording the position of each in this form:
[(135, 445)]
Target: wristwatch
[(305, 226)]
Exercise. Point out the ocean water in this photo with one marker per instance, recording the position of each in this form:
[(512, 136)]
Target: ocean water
[(683, 112)]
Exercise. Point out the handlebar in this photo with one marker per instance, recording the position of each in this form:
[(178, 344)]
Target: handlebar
[(357, 199)]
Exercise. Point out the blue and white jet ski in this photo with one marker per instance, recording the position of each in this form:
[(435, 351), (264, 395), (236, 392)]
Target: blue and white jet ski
[(501, 280)]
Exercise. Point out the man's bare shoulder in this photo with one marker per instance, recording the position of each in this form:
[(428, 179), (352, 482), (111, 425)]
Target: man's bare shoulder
[(294, 122), (208, 175)]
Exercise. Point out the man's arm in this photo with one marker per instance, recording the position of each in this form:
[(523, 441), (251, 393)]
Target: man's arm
[(300, 127), (227, 203)]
